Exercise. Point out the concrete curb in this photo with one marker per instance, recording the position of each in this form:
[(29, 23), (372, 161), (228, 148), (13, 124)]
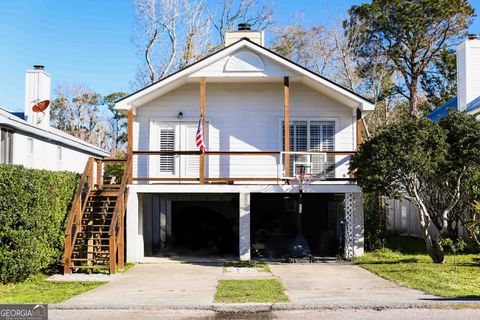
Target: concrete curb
[(263, 307)]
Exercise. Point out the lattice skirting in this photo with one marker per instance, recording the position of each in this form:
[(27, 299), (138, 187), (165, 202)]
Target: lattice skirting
[(350, 210)]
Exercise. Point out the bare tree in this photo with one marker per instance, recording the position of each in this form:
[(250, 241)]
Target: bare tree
[(197, 30), (311, 47), (78, 111), (171, 34), (226, 14), (157, 23)]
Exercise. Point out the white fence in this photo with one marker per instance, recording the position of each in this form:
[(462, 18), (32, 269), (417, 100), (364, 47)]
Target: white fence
[(403, 219)]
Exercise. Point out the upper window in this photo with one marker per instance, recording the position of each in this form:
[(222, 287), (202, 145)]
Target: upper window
[(312, 135), (6, 145), (309, 135)]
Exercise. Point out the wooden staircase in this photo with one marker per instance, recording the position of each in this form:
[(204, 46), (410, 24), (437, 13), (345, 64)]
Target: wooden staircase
[(94, 235)]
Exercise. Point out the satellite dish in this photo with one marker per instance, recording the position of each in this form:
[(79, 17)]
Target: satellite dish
[(40, 106)]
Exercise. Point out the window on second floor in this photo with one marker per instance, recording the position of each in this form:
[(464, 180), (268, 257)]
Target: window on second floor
[(312, 135), (6, 145)]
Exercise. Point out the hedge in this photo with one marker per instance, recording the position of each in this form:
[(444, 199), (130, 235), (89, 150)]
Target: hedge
[(34, 205)]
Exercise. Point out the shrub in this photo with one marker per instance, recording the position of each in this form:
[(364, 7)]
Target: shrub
[(34, 205), (375, 223)]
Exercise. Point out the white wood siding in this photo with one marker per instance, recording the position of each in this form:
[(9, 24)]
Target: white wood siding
[(45, 155), (243, 117)]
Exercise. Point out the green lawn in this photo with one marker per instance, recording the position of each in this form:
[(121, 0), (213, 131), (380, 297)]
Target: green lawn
[(406, 262), (37, 290), (241, 291)]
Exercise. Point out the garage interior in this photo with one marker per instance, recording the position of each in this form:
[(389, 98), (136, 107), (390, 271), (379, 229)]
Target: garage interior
[(273, 224), (202, 225)]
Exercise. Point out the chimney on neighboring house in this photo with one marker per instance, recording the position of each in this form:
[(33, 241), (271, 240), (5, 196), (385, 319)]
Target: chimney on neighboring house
[(37, 88), (468, 71), (244, 31)]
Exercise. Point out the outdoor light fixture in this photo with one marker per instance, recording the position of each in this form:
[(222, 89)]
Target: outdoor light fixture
[(180, 115)]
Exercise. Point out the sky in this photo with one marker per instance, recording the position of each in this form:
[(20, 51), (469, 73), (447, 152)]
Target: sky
[(90, 41)]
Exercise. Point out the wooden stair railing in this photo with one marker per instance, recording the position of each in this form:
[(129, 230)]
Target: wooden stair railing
[(74, 222), (91, 219), (116, 234)]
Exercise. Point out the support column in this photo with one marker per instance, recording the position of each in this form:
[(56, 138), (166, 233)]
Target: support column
[(286, 123), (354, 225), (359, 128), (358, 225), (132, 224), (130, 143), (244, 226), (348, 251), (203, 103)]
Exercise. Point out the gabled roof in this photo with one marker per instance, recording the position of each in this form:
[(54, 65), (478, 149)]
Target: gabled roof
[(11, 120), (132, 99)]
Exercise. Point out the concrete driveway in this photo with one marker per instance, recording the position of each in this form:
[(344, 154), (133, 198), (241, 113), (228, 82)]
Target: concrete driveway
[(159, 285), (342, 285), (192, 286)]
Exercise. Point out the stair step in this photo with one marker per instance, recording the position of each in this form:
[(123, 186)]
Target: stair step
[(96, 245), (101, 266), (88, 259), (95, 232), (98, 225)]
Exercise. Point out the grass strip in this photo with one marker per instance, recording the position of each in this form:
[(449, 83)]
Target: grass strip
[(242, 291)]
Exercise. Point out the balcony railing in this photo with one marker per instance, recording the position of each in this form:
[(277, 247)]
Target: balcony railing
[(282, 172)]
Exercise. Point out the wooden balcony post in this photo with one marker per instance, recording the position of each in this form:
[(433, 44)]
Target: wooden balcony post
[(112, 253), (99, 174), (286, 122), (130, 144), (91, 180), (359, 128), (203, 102)]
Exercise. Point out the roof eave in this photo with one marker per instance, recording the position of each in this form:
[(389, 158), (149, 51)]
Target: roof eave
[(129, 101)]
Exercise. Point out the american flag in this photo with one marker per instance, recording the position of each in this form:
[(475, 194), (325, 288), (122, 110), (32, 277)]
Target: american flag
[(199, 139)]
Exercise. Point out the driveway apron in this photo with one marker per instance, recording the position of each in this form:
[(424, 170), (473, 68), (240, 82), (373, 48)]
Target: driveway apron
[(343, 285), (169, 284)]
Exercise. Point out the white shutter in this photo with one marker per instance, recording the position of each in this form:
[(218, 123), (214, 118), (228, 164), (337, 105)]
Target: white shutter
[(300, 142), (322, 138), (167, 143)]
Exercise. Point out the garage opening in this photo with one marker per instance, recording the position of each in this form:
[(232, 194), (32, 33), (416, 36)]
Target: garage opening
[(274, 218), (193, 225)]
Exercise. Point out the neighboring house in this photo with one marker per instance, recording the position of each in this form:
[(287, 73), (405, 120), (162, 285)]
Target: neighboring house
[(403, 216), (468, 80), (240, 197), (28, 139)]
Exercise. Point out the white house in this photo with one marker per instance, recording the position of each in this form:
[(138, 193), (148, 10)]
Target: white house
[(240, 197), (468, 80), (28, 139)]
